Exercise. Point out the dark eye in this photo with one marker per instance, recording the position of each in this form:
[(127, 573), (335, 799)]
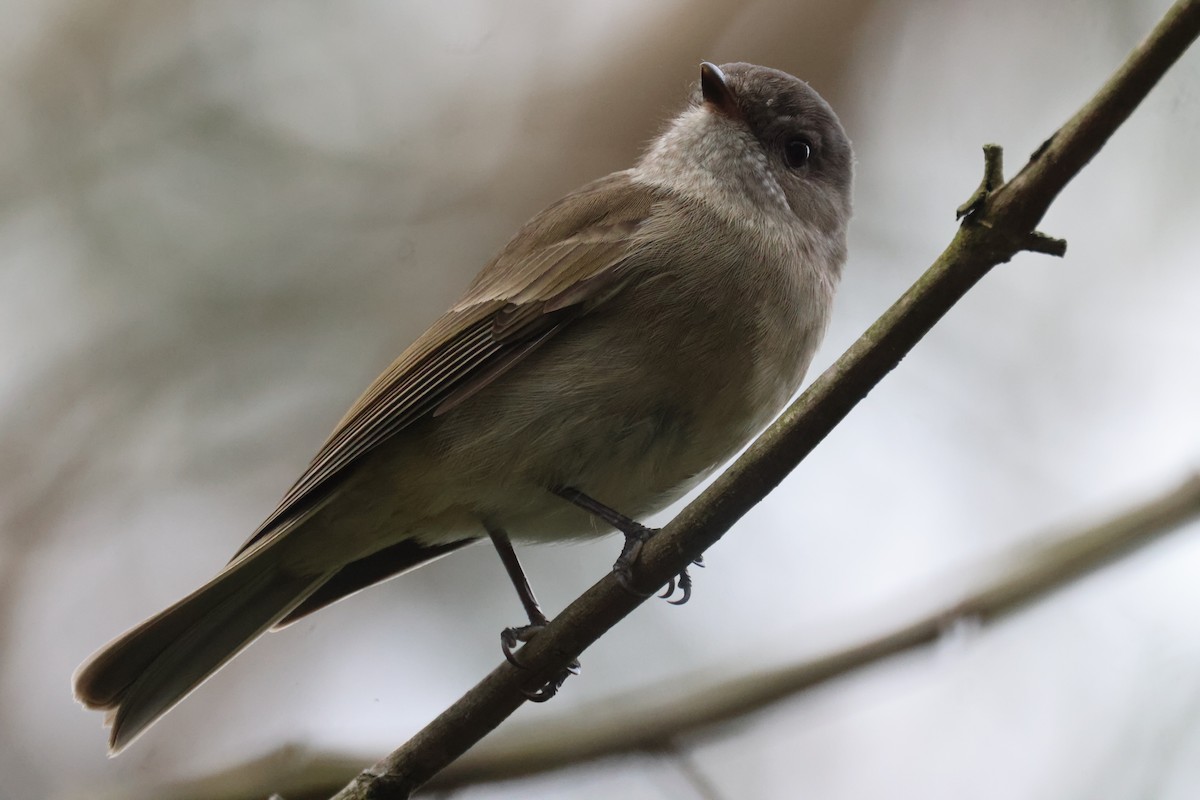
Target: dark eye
[(796, 152)]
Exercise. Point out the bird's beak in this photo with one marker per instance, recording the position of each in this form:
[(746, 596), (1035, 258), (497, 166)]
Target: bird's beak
[(716, 91)]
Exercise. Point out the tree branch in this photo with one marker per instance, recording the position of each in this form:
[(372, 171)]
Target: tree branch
[(999, 225), (661, 719)]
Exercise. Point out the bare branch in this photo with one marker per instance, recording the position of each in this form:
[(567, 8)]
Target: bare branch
[(657, 719), (1000, 225), (661, 717)]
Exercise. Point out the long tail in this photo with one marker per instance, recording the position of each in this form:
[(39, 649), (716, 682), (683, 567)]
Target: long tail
[(143, 673)]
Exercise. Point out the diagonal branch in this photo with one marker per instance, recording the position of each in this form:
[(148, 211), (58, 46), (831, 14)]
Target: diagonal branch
[(659, 718), (662, 719), (1001, 223)]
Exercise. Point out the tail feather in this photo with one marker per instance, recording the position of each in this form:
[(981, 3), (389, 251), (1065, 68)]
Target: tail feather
[(139, 676)]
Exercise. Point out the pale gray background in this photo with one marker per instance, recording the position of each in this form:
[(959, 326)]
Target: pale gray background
[(219, 220)]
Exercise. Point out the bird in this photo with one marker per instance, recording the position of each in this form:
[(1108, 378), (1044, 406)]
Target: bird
[(625, 342)]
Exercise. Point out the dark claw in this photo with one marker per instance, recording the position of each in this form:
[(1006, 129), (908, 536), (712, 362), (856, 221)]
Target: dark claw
[(623, 568), (685, 586), (511, 637), (544, 693)]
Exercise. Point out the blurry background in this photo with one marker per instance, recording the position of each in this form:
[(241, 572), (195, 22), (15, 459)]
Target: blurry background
[(220, 220)]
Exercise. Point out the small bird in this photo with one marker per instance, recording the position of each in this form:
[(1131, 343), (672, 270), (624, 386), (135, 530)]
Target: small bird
[(623, 344)]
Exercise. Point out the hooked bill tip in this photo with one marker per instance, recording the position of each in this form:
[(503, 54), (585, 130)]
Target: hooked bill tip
[(715, 89)]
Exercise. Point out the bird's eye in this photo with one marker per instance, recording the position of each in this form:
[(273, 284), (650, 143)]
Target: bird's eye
[(796, 152)]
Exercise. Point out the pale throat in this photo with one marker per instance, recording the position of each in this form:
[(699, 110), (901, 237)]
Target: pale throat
[(705, 155)]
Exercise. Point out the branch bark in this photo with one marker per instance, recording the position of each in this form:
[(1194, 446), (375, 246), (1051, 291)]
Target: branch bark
[(1000, 221)]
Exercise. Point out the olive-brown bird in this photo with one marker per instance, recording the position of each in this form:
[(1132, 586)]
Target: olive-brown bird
[(623, 344)]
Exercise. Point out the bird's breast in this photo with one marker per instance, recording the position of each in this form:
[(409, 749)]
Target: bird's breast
[(638, 400)]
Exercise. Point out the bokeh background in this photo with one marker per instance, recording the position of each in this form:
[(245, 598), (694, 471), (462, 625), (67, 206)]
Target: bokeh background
[(219, 221)]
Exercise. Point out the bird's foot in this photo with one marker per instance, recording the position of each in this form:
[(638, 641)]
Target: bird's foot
[(510, 641), (551, 687), (512, 638), (636, 537)]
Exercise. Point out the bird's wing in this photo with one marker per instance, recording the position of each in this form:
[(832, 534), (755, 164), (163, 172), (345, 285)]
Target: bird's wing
[(563, 262)]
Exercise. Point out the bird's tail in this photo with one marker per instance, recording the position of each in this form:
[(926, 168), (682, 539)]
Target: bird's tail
[(143, 673)]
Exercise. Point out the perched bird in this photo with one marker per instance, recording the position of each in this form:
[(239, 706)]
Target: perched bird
[(624, 343)]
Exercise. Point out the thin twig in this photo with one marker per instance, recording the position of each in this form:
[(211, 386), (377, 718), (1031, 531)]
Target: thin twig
[(998, 228)]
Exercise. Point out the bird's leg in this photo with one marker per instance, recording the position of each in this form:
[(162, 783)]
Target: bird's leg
[(511, 637), (636, 535), (537, 618)]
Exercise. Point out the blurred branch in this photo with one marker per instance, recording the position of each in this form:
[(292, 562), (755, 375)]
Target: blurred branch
[(999, 223), (294, 771), (661, 719), (690, 771)]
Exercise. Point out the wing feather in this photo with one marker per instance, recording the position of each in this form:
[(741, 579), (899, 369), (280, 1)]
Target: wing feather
[(562, 263)]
